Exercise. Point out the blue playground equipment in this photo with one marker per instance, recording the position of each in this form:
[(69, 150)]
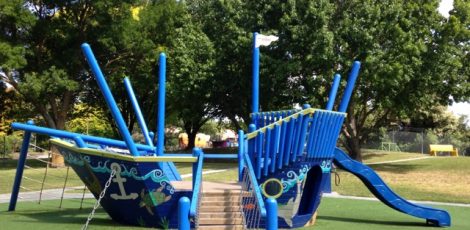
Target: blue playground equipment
[(284, 163)]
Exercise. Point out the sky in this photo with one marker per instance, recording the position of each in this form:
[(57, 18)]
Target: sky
[(457, 108)]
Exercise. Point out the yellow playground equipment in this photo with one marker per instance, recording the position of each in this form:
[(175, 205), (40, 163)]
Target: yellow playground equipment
[(434, 149)]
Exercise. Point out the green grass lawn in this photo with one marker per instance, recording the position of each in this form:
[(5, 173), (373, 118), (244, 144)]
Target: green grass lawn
[(374, 156), (333, 214), (35, 175), (444, 179)]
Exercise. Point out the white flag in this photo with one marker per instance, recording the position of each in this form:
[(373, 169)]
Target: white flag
[(265, 40)]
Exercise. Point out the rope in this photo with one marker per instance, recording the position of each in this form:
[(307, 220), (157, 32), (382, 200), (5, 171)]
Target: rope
[(37, 147), (63, 189), (337, 177), (83, 197), (97, 204), (43, 182)]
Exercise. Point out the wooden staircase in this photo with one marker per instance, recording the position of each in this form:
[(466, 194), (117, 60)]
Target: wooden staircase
[(220, 207)]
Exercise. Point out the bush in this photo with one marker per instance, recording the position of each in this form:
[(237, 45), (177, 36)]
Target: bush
[(10, 144)]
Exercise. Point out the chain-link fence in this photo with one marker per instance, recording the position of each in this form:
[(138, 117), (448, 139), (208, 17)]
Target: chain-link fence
[(414, 140)]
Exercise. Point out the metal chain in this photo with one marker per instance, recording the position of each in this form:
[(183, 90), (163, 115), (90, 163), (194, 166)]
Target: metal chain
[(97, 204)]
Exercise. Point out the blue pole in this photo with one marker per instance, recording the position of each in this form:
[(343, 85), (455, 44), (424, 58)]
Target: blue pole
[(183, 213), (152, 137), (333, 91), (109, 99), (70, 135), (196, 153), (271, 214), (161, 104), (20, 169), (241, 146), (255, 98), (349, 87), (79, 142), (138, 112)]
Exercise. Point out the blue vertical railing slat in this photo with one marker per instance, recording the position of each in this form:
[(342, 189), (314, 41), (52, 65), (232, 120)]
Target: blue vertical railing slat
[(311, 133), (324, 134), (259, 154), (326, 139), (282, 145), (318, 124), (277, 137), (267, 151), (321, 134), (315, 143), (331, 139), (296, 142), (287, 147), (272, 147), (303, 134), (339, 124)]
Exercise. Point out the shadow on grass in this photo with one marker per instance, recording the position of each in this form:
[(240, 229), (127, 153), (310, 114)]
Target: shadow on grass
[(12, 163), (68, 216), (372, 156), (378, 222), (396, 168)]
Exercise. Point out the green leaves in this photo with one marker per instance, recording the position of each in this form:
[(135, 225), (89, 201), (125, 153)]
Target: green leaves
[(41, 87)]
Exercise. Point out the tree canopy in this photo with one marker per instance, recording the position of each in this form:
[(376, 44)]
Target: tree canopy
[(413, 59)]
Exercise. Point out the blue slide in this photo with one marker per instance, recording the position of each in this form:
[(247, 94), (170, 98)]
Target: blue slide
[(378, 187)]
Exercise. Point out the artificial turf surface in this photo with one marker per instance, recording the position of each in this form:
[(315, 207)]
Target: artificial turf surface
[(334, 213)]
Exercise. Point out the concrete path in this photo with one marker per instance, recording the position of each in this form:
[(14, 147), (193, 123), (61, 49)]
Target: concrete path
[(47, 194), (396, 161)]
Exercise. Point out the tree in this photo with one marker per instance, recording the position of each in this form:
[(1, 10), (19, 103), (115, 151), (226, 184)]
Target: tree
[(406, 48), (402, 48), (191, 61), (45, 64)]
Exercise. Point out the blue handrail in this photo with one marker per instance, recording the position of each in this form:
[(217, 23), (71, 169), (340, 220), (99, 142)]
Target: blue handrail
[(197, 182), (255, 185), (72, 136)]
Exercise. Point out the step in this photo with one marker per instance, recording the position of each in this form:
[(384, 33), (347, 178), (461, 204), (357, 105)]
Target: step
[(221, 203), (233, 198), (221, 227), (205, 208), (235, 214), (220, 221)]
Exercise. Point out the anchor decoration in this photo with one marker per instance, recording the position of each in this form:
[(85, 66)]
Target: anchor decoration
[(120, 181)]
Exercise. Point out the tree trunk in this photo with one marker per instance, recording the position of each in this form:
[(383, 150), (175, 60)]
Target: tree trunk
[(352, 133), (353, 146), (57, 159), (192, 129), (191, 139)]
